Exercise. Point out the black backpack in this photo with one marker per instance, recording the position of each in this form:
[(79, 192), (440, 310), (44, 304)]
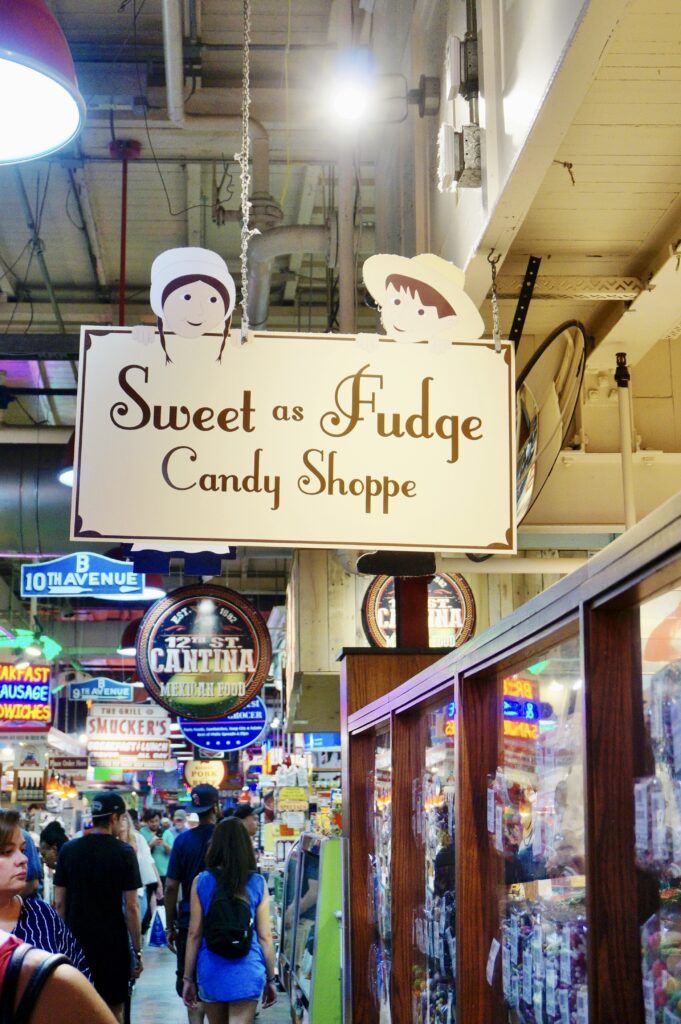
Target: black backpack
[(228, 925)]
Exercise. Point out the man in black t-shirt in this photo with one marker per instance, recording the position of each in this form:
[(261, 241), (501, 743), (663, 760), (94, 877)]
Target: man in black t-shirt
[(95, 891)]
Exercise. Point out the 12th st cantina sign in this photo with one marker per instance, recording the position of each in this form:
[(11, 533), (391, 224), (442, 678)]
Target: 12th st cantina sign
[(302, 440), (203, 652)]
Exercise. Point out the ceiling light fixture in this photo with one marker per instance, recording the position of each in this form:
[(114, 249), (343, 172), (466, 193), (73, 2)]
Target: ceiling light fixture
[(351, 92), (42, 109)]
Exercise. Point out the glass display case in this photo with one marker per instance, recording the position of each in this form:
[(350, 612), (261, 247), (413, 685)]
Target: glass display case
[(380, 962), (524, 852), (657, 804), (536, 825), (434, 997), (288, 917)]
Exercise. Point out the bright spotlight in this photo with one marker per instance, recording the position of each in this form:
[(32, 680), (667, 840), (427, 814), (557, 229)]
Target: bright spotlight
[(351, 92)]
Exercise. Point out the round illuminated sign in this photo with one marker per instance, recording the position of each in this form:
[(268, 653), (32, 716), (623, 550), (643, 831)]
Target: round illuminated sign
[(451, 611), (203, 652), (211, 773)]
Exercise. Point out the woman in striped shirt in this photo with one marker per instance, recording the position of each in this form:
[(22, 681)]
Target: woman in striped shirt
[(31, 919)]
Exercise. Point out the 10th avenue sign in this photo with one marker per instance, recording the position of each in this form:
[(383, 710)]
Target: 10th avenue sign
[(296, 440)]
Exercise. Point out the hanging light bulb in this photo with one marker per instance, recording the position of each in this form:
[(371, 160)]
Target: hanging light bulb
[(42, 107)]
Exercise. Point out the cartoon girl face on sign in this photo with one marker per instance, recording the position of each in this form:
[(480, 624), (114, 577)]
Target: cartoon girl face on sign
[(422, 299), (192, 293)]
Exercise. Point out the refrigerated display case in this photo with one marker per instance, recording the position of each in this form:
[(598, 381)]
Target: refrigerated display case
[(539, 769), (311, 950)]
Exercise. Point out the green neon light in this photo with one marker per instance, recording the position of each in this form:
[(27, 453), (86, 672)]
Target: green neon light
[(23, 638), (539, 667)]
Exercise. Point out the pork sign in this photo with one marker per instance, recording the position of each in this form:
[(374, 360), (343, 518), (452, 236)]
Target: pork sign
[(298, 439)]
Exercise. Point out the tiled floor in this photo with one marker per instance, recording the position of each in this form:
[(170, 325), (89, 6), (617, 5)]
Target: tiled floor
[(154, 999)]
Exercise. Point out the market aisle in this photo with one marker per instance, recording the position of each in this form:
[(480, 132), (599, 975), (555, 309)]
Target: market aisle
[(155, 1000)]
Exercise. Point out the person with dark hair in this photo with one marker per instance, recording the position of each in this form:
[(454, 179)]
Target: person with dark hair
[(96, 885), (30, 918), (52, 838), (230, 988), (250, 817), (187, 860), (44, 989)]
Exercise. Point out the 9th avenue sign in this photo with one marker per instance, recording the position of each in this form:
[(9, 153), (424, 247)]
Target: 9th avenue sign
[(298, 440)]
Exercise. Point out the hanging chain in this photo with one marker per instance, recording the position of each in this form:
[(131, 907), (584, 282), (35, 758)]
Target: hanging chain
[(496, 330), (243, 159)]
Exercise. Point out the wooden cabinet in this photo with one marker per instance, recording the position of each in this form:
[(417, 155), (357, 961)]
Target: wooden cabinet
[(513, 809)]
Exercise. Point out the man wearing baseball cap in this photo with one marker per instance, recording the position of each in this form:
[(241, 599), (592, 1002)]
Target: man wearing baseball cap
[(187, 860), (95, 891)]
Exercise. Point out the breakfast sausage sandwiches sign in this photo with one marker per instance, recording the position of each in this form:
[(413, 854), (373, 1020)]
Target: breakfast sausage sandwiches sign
[(399, 442), (203, 652)]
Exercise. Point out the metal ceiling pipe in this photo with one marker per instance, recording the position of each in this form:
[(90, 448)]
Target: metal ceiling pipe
[(283, 241), (34, 506), (230, 124)]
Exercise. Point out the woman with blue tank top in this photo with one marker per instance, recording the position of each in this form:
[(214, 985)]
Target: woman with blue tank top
[(230, 989)]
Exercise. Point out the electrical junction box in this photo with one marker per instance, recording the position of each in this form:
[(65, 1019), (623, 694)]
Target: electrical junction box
[(120, 87), (452, 67), (449, 157)]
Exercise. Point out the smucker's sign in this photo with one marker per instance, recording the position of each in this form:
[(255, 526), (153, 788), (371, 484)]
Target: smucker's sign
[(203, 652), (298, 439)]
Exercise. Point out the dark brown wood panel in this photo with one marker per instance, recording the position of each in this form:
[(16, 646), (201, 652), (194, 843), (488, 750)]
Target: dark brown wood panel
[(477, 869), (613, 756), (408, 862), (369, 676), (360, 928)]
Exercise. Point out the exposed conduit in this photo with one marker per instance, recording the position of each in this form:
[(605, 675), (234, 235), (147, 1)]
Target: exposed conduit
[(227, 125), (283, 241)]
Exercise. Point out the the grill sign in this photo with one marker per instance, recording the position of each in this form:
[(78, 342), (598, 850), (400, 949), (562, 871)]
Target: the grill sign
[(203, 652)]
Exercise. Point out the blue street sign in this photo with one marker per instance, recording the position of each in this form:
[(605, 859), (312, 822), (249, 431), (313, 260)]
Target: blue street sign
[(80, 573), (101, 689), (240, 730)]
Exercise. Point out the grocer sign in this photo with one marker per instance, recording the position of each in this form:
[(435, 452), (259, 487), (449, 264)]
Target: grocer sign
[(132, 737), (25, 703), (242, 729), (203, 652), (101, 688), (81, 573), (451, 611), (298, 440)]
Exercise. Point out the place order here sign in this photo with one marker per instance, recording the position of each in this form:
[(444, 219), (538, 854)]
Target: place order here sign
[(301, 440), (133, 737)]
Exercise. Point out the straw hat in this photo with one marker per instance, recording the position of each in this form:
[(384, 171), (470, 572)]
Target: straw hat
[(182, 262), (431, 270)]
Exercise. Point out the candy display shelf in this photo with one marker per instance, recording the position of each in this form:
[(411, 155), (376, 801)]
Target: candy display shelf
[(524, 863)]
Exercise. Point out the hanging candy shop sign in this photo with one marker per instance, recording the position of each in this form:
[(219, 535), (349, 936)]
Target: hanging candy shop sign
[(242, 729), (451, 611), (25, 702), (229, 443), (203, 652)]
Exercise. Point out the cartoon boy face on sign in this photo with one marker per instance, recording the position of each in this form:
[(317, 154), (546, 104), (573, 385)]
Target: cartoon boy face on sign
[(192, 293), (422, 299)]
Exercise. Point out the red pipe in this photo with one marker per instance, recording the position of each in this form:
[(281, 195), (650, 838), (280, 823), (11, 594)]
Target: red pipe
[(124, 235)]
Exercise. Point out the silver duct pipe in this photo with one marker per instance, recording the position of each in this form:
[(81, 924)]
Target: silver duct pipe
[(262, 249), (231, 124), (34, 506)]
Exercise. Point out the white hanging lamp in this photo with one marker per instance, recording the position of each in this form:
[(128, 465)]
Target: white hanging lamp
[(41, 109)]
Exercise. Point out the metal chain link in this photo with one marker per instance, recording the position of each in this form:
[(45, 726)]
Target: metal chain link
[(496, 329), (243, 159)]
